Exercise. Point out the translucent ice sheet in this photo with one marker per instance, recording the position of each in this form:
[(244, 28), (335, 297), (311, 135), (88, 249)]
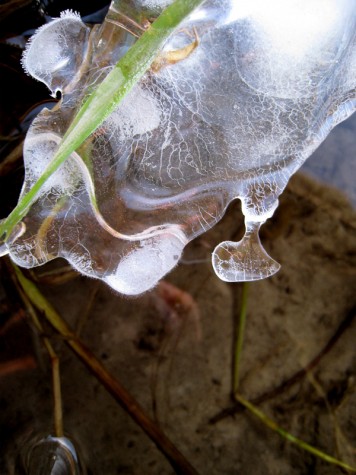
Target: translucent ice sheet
[(242, 93)]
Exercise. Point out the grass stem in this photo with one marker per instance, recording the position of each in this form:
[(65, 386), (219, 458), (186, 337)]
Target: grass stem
[(112, 385), (55, 363), (291, 438), (240, 333)]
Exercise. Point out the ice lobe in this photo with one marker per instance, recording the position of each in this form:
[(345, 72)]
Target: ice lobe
[(149, 262), (56, 51), (242, 93)]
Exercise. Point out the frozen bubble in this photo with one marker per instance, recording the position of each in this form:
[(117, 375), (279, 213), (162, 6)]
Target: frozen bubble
[(52, 455)]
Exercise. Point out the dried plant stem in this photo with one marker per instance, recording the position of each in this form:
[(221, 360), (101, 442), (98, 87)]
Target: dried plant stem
[(55, 363), (255, 410), (291, 438), (121, 395), (9, 162), (84, 314), (295, 378), (18, 364)]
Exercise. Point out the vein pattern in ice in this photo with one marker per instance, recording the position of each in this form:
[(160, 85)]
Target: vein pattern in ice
[(241, 95)]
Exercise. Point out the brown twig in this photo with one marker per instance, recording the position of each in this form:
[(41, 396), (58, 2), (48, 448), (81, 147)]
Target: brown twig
[(18, 364), (7, 165)]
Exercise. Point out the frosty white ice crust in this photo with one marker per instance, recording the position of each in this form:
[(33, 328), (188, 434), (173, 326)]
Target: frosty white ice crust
[(234, 118)]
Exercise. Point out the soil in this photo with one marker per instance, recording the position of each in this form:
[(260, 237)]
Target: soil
[(173, 349)]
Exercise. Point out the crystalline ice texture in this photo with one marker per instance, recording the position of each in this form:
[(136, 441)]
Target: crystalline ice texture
[(234, 118)]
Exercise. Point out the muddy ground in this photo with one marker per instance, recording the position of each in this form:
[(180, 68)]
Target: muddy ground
[(175, 355)]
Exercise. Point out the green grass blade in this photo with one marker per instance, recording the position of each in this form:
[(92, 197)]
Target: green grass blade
[(240, 333), (106, 97), (291, 438)]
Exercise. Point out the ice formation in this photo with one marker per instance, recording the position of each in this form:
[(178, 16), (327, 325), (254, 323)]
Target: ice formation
[(234, 118)]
